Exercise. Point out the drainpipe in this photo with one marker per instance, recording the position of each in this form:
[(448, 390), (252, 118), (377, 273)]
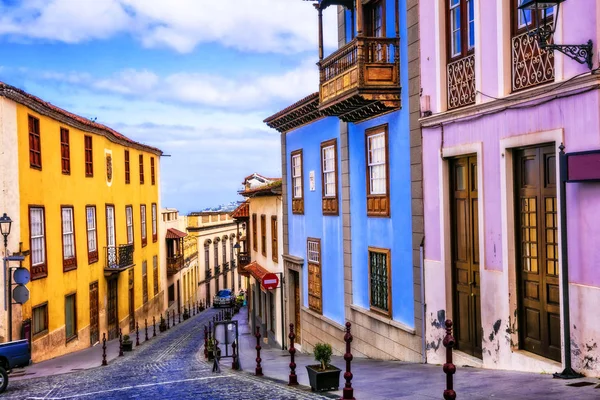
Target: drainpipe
[(568, 372), (423, 306)]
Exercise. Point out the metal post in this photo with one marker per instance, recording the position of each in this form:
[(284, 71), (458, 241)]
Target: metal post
[(120, 343), (293, 379), (137, 333), (449, 368), (282, 313), (234, 363), (348, 392), (258, 370), (168, 320), (154, 325), (173, 317), (179, 317), (146, 323), (205, 342), (104, 349)]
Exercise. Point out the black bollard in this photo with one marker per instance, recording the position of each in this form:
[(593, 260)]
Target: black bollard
[(258, 370), (120, 343), (293, 379), (104, 349), (137, 333), (449, 368), (348, 392), (154, 325), (146, 324)]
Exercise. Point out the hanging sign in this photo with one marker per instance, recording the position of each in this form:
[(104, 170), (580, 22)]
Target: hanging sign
[(583, 166)]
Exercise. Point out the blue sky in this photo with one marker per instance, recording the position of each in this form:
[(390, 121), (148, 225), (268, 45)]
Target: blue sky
[(192, 77)]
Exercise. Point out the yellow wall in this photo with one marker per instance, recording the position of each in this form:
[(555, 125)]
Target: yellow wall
[(51, 189)]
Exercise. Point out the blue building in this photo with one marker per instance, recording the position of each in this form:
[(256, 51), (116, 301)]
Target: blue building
[(352, 198)]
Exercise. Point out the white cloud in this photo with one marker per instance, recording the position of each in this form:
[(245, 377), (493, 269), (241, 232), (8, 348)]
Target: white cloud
[(281, 26)]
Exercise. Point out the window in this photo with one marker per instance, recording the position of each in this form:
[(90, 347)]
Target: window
[(297, 183), (224, 241), (70, 317), (40, 319), (92, 234), (329, 177), (461, 25), (374, 20), (155, 273), (263, 235), (378, 203), (65, 154), (315, 302), (35, 146), (274, 245), (143, 224), (37, 232), (206, 257), (129, 222), (231, 251), (216, 244), (171, 294), (152, 175), (380, 281), (141, 169), (127, 170), (154, 227), (254, 233), (68, 239), (145, 281), (110, 226), (89, 164)]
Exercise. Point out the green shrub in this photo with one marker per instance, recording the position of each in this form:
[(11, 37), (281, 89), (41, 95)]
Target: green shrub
[(126, 338), (323, 354)]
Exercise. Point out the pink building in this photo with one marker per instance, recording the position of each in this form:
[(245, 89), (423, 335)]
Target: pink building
[(500, 108)]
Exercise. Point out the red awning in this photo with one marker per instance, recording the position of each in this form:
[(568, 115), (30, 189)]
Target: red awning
[(256, 270), (173, 233)]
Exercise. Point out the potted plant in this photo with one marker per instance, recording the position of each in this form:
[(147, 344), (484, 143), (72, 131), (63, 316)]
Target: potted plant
[(186, 314), (323, 376), (127, 343), (163, 324)]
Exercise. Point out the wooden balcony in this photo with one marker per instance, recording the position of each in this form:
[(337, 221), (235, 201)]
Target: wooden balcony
[(174, 264), (361, 79), (118, 258), (243, 259)]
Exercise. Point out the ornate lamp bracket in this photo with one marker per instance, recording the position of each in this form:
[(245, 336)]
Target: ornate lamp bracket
[(582, 53)]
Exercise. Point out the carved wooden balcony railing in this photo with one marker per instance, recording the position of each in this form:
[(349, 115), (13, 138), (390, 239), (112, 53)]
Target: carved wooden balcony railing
[(174, 264), (531, 66), (361, 79), (461, 82), (243, 259), (118, 258)]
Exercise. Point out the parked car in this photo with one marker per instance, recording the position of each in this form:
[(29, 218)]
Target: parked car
[(13, 354), (224, 298)]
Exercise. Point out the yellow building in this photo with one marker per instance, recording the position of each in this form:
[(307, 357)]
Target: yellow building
[(84, 200)]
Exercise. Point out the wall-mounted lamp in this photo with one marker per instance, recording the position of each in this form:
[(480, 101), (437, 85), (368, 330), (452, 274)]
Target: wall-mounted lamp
[(542, 15), (425, 105)]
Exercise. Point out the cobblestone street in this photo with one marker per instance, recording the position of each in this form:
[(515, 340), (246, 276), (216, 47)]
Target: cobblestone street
[(169, 366)]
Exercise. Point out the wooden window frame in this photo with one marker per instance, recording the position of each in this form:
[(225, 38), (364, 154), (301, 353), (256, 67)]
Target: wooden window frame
[(154, 211), (515, 15), (75, 332), (263, 235), (152, 171), (369, 18), (274, 239), (378, 205), (127, 168), (92, 255), (254, 232), (224, 242), (216, 253), (65, 151), (155, 274), (388, 255), (143, 225), (128, 208), (45, 331), (89, 156), (69, 264), (319, 264), (144, 281), (297, 202), (329, 203), (141, 160), (465, 50), (38, 271), (35, 142)]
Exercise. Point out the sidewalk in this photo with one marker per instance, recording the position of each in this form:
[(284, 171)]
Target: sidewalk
[(378, 380)]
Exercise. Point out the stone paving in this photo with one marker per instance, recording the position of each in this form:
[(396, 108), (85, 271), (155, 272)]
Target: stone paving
[(169, 366)]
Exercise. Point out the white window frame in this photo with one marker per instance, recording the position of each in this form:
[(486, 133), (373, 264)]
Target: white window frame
[(297, 175), (454, 10), (378, 165), (153, 220), (143, 217), (129, 222), (329, 171), (38, 238), (313, 252), (90, 212), (111, 240), (68, 233)]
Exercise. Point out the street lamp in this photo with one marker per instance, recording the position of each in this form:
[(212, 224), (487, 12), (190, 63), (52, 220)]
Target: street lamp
[(544, 19), (5, 224)]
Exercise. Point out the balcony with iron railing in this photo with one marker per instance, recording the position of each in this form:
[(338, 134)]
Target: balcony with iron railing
[(531, 66), (244, 259), (118, 258), (174, 264), (361, 79)]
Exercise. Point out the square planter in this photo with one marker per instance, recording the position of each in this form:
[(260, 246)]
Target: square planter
[(323, 380), (128, 346)]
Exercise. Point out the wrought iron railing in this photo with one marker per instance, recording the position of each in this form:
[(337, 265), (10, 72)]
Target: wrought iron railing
[(531, 66), (120, 256), (225, 266), (174, 264), (461, 82), (217, 270)]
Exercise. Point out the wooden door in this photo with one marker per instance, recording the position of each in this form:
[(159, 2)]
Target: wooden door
[(297, 326), (465, 256), (113, 308), (94, 315), (537, 251), (131, 301)]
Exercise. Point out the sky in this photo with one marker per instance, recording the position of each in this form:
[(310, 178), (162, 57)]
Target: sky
[(195, 78)]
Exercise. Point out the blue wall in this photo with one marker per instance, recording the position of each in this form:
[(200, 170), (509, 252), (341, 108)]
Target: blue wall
[(393, 233), (313, 223)]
